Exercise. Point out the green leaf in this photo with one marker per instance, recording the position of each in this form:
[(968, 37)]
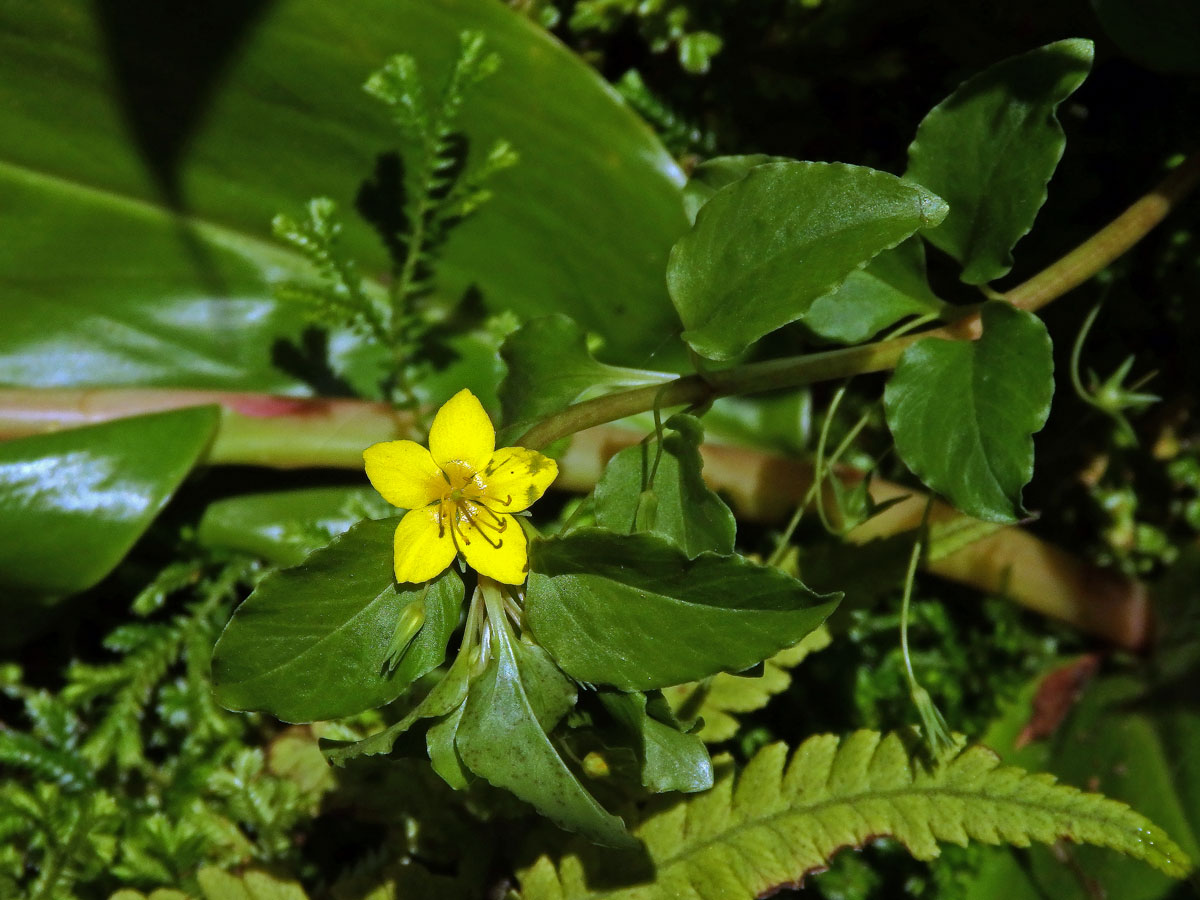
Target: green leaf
[(963, 413), (772, 825), (160, 259), (503, 736), (764, 248), (310, 643), (73, 503), (670, 759), (1160, 34), (634, 612), (550, 367), (686, 512), (719, 699), (713, 174), (283, 527), (892, 287), (440, 741), (443, 699), (990, 149), (252, 885)]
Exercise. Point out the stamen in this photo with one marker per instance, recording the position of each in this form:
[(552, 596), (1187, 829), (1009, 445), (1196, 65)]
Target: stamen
[(499, 522), (474, 523)]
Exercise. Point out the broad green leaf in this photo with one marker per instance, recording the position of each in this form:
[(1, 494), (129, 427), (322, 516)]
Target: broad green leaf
[(779, 820), (550, 367), (1160, 34), (719, 700), (284, 527), (990, 148), (685, 511), (634, 612), (72, 503), (963, 413), (670, 759), (764, 248), (892, 287), (152, 257), (713, 174), (311, 641), (503, 738)]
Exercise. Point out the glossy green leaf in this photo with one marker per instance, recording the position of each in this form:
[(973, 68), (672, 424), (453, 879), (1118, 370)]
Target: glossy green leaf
[(72, 503), (634, 612), (963, 413), (764, 248), (990, 149), (152, 253), (1160, 34), (685, 510), (892, 287), (550, 367), (283, 527), (503, 737), (311, 641), (713, 174), (670, 759)]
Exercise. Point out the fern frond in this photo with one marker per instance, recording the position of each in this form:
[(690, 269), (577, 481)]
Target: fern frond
[(770, 826), (341, 297), (23, 751), (717, 699)]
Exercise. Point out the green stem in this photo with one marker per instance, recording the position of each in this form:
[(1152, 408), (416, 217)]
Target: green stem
[(1090, 257)]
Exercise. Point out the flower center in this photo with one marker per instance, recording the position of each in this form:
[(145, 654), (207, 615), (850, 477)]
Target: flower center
[(462, 508)]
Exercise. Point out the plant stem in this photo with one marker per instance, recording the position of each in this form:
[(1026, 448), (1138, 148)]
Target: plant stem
[(1069, 272)]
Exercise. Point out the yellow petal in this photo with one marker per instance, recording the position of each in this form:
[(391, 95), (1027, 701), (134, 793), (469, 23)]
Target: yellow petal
[(502, 555), (462, 433), (516, 477), (423, 549), (405, 473)]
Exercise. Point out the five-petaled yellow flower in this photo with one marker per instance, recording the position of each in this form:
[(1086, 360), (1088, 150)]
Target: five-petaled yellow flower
[(460, 494)]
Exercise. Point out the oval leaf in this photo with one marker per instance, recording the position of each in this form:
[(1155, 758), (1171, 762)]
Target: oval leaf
[(765, 247), (73, 503), (963, 413), (990, 148), (311, 642), (633, 611)]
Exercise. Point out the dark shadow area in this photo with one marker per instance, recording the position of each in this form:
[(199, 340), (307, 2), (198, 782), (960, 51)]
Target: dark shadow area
[(167, 60), (382, 200), (307, 360)]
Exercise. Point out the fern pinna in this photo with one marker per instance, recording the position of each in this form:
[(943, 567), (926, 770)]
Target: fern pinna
[(771, 825)]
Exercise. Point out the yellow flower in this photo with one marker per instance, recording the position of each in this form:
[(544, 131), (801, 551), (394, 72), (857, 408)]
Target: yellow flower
[(460, 494)]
